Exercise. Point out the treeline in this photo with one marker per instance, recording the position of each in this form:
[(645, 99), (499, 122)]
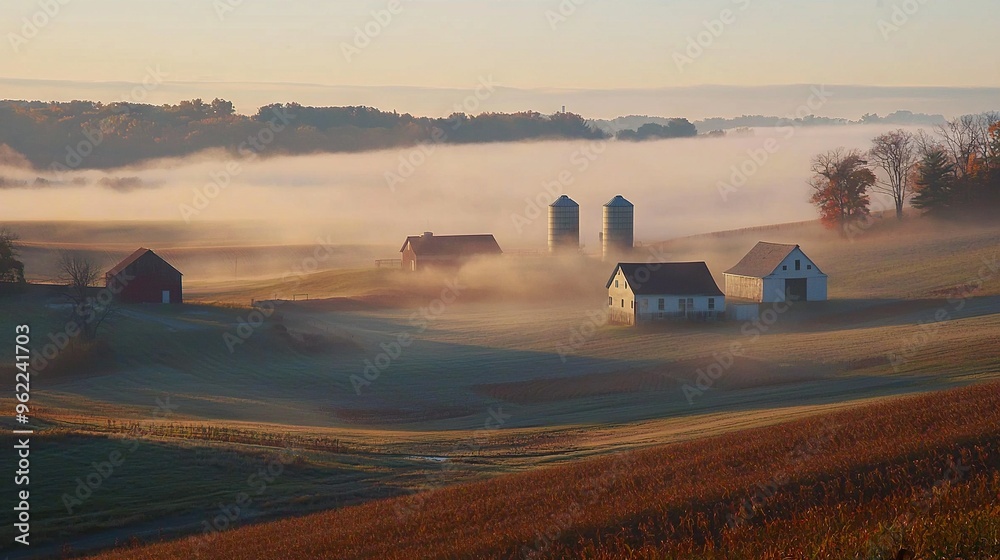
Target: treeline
[(674, 128), (958, 172), (953, 172), (900, 118), (86, 134)]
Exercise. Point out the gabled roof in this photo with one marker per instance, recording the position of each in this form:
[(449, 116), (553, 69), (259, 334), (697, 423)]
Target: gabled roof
[(452, 245), (762, 260), (138, 254), (681, 279)]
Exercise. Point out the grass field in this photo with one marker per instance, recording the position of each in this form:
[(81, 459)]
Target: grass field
[(509, 375), (128, 485)]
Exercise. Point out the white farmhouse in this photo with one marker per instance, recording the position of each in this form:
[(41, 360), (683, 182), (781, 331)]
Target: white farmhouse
[(645, 292), (773, 272)]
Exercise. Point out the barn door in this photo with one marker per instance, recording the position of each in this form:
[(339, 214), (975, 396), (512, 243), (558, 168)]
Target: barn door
[(796, 289), (166, 296)]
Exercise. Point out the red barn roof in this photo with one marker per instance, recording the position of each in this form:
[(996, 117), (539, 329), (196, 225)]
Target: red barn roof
[(129, 260), (429, 245)]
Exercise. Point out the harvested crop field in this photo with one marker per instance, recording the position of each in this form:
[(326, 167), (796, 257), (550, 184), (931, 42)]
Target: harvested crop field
[(834, 486)]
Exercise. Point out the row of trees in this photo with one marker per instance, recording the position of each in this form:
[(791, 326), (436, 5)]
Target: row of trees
[(674, 128), (85, 134), (953, 172), (898, 118)]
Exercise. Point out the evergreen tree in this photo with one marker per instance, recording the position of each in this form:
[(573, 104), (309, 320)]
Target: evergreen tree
[(934, 182), (11, 269)]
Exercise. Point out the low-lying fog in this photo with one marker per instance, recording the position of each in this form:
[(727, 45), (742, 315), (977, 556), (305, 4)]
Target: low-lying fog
[(679, 187)]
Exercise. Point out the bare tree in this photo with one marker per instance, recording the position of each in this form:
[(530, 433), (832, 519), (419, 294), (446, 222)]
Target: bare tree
[(895, 153), (81, 275), (926, 143), (967, 140)]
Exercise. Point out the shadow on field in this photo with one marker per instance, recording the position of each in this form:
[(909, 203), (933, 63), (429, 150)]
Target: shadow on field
[(537, 389), (847, 314), (160, 489)]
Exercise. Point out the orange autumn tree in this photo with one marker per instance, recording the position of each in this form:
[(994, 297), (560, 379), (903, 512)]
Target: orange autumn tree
[(992, 178), (982, 173), (993, 149), (840, 183)]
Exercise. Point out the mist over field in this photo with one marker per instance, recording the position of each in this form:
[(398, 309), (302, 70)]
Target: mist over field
[(679, 186), (238, 327)]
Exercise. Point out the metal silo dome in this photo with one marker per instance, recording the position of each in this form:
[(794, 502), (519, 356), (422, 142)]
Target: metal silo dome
[(619, 226), (564, 225)]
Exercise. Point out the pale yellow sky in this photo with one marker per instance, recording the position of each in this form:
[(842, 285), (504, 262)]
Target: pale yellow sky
[(521, 43)]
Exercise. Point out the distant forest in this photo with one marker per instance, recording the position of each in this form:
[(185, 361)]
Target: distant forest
[(66, 136), (672, 128), (899, 118), (90, 135)]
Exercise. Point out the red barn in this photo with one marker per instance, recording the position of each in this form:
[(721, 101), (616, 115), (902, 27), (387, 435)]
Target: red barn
[(421, 251), (144, 277)]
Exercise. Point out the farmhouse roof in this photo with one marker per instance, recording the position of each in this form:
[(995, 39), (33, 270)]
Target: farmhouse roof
[(682, 279), (430, 245), (762, 260), (129, 260)]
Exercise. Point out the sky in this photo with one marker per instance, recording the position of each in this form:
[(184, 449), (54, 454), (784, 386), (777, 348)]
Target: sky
[(526, 44)]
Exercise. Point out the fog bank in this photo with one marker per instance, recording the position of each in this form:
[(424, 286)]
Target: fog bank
[(680, 187)]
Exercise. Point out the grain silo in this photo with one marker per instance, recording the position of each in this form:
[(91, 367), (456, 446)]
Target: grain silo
[(619, 223), (564, 225)]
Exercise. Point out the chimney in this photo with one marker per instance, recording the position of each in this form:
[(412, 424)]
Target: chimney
[(428, 234)]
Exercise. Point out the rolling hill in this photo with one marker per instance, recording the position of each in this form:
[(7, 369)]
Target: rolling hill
[(918, 474)]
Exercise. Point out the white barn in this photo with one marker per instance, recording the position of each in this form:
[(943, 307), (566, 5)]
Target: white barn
[(646, 292), (773, 272)]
